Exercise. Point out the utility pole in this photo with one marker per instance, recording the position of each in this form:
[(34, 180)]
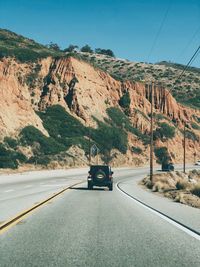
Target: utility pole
[(89, 147), (151, 86), (184, 146)]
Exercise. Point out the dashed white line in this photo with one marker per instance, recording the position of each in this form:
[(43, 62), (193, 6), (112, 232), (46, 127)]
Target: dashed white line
[(28, 186), (9, 190)]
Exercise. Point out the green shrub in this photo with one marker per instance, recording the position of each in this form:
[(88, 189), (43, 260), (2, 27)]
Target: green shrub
[(191, 135), (165, 131), (11, 142), (59, 123), (196, 190), (41, 160), (87, 48), (195, 126), (159, 117), (20, 157), (136, 150), (64, 128), (125, 100), (162, 154), (10, 158), (121, 120), (109, 137), (181, 185), (22, 54), (30, 135)]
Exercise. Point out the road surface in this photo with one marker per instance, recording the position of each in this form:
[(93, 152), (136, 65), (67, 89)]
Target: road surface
[(99, 227)]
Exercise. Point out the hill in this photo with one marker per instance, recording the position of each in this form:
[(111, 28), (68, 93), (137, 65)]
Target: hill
[(186, 90), (52, 108)]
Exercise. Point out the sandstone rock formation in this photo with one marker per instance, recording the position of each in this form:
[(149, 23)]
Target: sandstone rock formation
[(84, 91), (16, 110)]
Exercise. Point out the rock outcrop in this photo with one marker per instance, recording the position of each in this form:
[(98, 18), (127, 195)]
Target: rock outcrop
[(85, 92), (16, 110)]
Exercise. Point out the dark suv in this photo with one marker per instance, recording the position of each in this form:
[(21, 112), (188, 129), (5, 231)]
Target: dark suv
[(167, 166), (100, 175)]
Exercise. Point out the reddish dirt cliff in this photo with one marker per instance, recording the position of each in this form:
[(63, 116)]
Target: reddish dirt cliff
[(84, 91)]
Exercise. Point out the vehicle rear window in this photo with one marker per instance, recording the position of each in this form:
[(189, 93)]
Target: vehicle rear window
[(94, 169)]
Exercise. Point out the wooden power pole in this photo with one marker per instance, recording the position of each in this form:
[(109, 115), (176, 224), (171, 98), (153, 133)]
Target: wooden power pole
[(184, 146), (89, 146), (151, 90)]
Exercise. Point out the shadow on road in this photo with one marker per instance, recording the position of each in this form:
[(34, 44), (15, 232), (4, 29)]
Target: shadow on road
[(85, 188)]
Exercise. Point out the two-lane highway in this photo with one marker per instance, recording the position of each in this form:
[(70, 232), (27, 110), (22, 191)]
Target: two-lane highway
[(103, 228)]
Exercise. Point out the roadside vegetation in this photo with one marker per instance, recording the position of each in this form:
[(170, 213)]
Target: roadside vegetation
[(183, 188)]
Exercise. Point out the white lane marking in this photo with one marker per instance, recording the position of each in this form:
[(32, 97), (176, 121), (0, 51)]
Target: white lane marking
[(187, 231), (54, 184), (28, 186), (9, 190)]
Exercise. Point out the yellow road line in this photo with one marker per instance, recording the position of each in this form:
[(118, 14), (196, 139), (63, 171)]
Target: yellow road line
[(19, 217)]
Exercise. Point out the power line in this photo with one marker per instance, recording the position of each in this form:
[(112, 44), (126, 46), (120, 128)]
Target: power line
[(189, 42), (194, 56), (159, 30)]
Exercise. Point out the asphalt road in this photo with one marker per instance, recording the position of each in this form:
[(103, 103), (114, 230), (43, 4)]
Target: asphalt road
[(103, 228), (18, 192)]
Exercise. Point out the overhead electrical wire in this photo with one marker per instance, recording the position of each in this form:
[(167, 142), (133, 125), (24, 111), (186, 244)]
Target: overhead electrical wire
[(189, 42), (159, 30), (194, 56)]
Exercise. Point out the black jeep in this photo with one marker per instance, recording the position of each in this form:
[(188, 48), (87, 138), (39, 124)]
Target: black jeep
[(167, 166), (100, 175)]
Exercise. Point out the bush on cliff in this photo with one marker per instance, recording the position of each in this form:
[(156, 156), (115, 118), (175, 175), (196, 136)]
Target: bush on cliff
[(164, 131), (47, 145), (109, 137), (64, 128), (60, 124), (10, 158), (119, 119)]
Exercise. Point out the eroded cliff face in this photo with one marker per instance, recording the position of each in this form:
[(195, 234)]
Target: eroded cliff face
[(84, 92), (88, 91), (16, 110)]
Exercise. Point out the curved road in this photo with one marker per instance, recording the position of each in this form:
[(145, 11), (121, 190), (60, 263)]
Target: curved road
[(102, 228)]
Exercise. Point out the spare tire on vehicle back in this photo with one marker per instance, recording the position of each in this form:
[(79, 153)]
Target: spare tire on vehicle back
[(100, 176)]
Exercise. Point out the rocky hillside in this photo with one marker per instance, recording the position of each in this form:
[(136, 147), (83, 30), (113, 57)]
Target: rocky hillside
[(186, 90), (53, 108)]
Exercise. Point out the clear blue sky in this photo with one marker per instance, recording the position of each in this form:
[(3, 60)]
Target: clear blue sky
[(128, 27)]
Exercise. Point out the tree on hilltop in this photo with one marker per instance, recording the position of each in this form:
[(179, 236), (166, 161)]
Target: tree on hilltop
[(70, 48), (53, 46), (87, 48), (106, 52)]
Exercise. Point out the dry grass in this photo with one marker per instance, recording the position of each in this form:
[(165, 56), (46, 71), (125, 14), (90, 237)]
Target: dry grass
[(182, 188)]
